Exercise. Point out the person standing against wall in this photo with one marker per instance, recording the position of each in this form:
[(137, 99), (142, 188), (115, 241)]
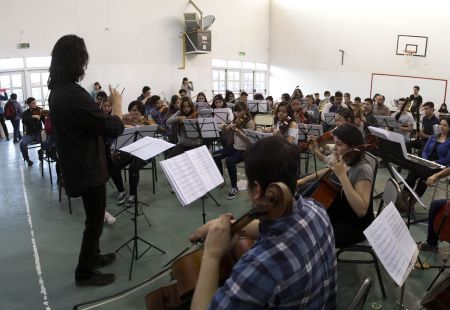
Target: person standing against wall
[(188, 86), (79, 126)]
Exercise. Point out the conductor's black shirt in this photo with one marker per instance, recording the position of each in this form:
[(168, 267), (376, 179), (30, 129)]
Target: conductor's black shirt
[(79, 126)]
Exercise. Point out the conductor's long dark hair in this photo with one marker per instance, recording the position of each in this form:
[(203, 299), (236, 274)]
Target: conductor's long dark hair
[(69, 60)]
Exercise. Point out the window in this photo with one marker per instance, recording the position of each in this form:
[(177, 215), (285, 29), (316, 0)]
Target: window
[(13, 83), (39, 90), (38, 62), (11, 63), (238, 76)]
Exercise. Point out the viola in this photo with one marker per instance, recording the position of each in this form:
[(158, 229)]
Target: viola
[(186, 268), (441, 224), (41, 112)]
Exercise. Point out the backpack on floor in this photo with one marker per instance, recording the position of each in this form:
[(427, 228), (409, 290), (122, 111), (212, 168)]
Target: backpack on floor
[(10, 111)]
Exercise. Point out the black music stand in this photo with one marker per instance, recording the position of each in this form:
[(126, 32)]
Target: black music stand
[(329, 120), (254, 136), (221, 116), (304, 132), (148, 149)]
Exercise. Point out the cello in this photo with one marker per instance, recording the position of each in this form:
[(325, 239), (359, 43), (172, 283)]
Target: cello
[(441, 224), (185, 269)]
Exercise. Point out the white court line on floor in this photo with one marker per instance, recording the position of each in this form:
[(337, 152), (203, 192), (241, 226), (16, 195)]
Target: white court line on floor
[(37, 262)]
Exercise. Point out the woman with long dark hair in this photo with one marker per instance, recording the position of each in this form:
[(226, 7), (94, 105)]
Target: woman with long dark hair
[(78, 127), (404, 119), (351, 210)]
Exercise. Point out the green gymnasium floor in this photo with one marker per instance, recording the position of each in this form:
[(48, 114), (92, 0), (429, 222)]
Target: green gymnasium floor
[(40, 241)]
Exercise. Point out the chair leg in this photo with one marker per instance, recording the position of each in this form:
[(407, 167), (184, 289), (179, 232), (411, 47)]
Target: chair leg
[(156, 171), (70, 205), (50, 172), (42, 168), (59, 191)]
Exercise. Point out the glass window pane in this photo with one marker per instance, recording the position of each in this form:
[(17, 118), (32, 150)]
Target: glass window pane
[(215, 85), (5, 81), (16, 80), (261, 66), (36, 93), (19, 93), (215, 75), (45, 91), (11, 63), (248, 65), (35, 79), (234, 64), (222, 75), (222, 86), (38, 62), (45, 78), (218, 63)]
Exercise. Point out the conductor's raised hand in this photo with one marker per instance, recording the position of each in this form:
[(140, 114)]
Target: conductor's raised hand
[(116, 101), (218, 240)]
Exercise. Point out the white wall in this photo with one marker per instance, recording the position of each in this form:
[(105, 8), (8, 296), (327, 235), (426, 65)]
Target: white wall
[(305, 37), (136, 42)]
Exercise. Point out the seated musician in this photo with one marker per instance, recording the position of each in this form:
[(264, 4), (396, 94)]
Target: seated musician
[(32, 120), (292, 265), (201, 101), (428, 122), (100, 97), (368, 116), (437, 149), (298, 113), (404, 119), (443, 108), (285, 124), (229, 98), (186, 111), (431, 244), (311, 110), (135, 117), (351, 211), (343, 116), (218, 103), (234, 153), (156, 109), (174, 106)]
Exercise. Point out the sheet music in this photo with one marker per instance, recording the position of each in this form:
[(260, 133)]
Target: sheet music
[(329, 118), (147, 147), (262, 106), (205, 113), (206, 167), (185, 180), (306, 130), (192, 174), (191, 127), (221, 115), (252, 106), (393, 243)]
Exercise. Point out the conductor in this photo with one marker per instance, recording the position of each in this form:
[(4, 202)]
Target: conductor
[(79, 127)]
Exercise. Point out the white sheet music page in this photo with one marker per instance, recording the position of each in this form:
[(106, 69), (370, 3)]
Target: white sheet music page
[(147, 147), (393, 243), (184, 178), (206, 167)]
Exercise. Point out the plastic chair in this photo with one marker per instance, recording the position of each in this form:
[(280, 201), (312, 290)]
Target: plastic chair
[(264, 120)]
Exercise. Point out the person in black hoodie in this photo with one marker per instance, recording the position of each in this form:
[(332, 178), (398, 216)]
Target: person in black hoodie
[(32, 120), (79, 127)]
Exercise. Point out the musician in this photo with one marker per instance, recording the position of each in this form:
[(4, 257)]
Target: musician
[(218, 103), (416, 103), (270, 104), (285, 97), (333, 105), (174, 106), (155, 109), (404, 119), (347, 100), (78, 126), (380, 108), (368, 116), (436, 149), (229, 97), (298, 114), (324, 101), (201, 101), (32, 119), (234, 153), (343, 116), (293, 262), (351, 211), (428, 122), (135, 117), (100, 97), (243, 97), (317, 99), (311, 110), (187, 110), (146, 92), (182, 93), (285, 123), (97, 88)]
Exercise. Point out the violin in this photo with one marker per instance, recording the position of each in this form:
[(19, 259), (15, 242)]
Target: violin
[(41, 112), (284, 125), (186, 268), (325, 137), (441, 224), (144, 120), (242, 120)]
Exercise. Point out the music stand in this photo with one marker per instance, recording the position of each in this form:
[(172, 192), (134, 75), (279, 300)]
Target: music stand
[(205, 113), (191, 128), (306, 130), (221, 115), (202, 105), (263, 106), (147, 130), (143, 149), (254, 136), (252, 106)]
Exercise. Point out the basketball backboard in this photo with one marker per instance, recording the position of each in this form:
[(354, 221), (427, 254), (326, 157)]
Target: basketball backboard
[(412, 45)]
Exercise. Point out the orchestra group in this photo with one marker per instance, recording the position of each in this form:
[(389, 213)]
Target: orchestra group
[(292, 263)]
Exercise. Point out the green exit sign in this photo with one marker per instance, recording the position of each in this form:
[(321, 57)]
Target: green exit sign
[(241, 53)]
